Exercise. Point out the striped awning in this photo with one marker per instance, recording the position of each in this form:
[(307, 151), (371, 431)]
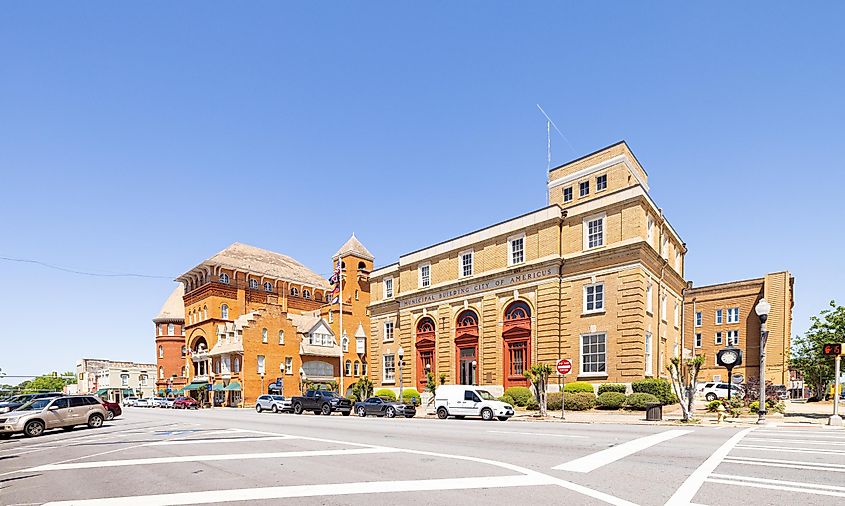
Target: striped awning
[(233, 386)]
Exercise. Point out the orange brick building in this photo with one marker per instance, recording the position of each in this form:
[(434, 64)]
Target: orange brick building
[(170, 339)]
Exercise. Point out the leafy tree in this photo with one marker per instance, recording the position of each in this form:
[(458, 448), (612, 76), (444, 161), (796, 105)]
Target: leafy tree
[(539, 377), (45, 383), (807, 357), (430, 385), (363, 388), (684, 375)]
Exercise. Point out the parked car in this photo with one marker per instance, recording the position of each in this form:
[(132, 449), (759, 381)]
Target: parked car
[(378, 406), (274, 403), (112, 409), (129, 401), (713, 391), (466, 400), (185, 403), (321, 402), (158, 402), (143, 403), (38, 415), (17, 401), (168, 403)]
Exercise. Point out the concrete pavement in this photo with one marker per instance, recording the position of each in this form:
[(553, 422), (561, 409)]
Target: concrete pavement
[(157, 456)]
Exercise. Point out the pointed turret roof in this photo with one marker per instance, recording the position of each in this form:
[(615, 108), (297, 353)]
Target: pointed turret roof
[(354, 247), (173, 308)]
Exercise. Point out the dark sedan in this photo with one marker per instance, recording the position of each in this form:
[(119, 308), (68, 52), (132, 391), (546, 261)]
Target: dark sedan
[(112, 409), (378, 406), (17, 401)]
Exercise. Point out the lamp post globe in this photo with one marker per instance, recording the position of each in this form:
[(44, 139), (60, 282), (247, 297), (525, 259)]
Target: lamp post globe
[(762, 309)]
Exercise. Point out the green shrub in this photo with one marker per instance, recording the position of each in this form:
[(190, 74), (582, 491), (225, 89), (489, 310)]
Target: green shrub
[(657, 387), (771, 406), (411, 396), (507, 399), (520, 395), (639, 400), (713, 406), (532, 405), (579, 386), (553, 400), (579, 401), (610, 400), (387, 394), (613, 387)]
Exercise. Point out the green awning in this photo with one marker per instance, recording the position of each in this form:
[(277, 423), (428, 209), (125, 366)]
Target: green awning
[(101, 391), (127, 392), (233, 386), (196, 386), (180, 391), (218, 387)]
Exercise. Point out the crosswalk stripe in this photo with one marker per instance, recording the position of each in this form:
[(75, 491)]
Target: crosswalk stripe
[(788, 449), (800, 441), (604, 457)]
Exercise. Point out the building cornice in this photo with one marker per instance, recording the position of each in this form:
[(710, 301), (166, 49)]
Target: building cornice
[(592, 169)]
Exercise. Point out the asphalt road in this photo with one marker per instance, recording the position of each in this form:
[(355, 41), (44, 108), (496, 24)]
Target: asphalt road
[(157, 456)]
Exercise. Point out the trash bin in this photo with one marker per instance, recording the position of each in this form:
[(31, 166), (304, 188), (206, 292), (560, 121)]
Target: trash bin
[(654, 411)]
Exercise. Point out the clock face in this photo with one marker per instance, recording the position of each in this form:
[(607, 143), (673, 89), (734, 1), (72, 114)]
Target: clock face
[(729, 357)]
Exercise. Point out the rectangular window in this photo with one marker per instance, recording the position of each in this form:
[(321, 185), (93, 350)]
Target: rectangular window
[(648, 354), (698, 318), (698, 340), (584, 188), (567, 194), (601, 183), (650, 229), (466, 264), (594, 298), (260, 364), (425, 275), (517, 351), (733, 337), (595, 232), (388, 288), (593, 354), (733, 315), (663, 308), (171, 329), (649, 302), (388, 331), (677, 261), (288, 365), (677, 315), (664, 248), (331, 316), (517, 250), (718, 338), (281, 337), (389, 369), (264, 336), (718, 317)]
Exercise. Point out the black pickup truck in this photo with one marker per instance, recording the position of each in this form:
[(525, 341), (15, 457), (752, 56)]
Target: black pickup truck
[(321, 402)]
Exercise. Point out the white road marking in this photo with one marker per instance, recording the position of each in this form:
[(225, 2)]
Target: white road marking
[(832, 433), (207, 458), (544, 434), (218, 440), (689, 488), (797, 441), (789, 449), (788, 464), (620, 451), (780, 461), (791, 486)]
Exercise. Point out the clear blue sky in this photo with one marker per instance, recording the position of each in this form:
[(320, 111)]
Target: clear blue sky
[(145, 138)]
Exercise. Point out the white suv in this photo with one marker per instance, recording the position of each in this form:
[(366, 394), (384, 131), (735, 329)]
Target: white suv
[(466, 400), (713, 391)]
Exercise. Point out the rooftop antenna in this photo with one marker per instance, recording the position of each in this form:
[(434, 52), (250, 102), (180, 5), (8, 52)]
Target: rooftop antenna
[(549, 124)]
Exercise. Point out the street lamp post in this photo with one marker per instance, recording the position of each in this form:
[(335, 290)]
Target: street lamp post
[(474, 378), (262, 384), (401, 353), (762, 309)]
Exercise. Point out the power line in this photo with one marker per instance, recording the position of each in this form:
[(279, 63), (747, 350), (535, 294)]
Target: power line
[(84, 273)]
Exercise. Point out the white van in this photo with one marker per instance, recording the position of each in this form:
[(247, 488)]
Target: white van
[(467, 400)]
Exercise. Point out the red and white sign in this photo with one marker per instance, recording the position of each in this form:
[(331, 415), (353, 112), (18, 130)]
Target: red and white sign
[(564, 366)]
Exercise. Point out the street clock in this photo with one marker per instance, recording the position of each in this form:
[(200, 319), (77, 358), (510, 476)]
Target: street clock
[(729, 357)]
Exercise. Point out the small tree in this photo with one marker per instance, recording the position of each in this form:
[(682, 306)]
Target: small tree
[(430, 385), (442, 378), (807, 356), (363, 388), (539, 377), (684, 380)]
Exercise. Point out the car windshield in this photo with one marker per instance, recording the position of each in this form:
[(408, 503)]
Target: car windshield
[(487, 396), (278, 397), (35, 405)]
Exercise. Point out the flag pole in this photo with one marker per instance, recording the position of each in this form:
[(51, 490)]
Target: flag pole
[(340, 362)]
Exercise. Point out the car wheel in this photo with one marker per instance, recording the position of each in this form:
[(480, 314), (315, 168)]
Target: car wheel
[(503, 418), (487, 414), (95, 421), (442, 413), (362, 412), (297, 408), (275, 409), (257, 408), (346, 413), (391, 413), (109, 415), (710, 397), (33, 428), (325, 409)]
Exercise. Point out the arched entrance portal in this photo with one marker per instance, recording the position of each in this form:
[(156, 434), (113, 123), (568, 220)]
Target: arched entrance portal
[(425, 351), (466, 347), (516, 337)]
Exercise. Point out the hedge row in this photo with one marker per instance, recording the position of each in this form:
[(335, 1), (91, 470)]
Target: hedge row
[(657, 387), (581, 401)]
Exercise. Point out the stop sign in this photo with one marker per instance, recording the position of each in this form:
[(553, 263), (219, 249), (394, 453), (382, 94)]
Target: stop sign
[(564, 366)]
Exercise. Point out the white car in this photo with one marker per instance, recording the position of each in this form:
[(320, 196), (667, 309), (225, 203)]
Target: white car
[(159, 402), (274, 403), (713, 391), (467, 400), (143, 403), (167, 403), (129, 401)]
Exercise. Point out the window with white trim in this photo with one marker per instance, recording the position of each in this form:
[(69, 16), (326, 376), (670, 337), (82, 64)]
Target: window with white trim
[(594, 298), (268, 287), (224, 312), (466, 264), (601, 182), (389, 368), (264, 336), (663, 308), (733, 337), (584, 188), (388, 331), (698, 340), (160, 351), (171, 329), (425, 275), (594, 232), (664, 247), (281, 337), (331, 316), (594, 354), (260, 364), (677, 315), (698, 318), (677, 260), (718, 338), (288, 365), (344, 343), (649, 358), (649, 234), (388, 288), (567, 194), (649, 298), (733, 315), (718, 317), (516, 250), (253, 283), (224, 278)]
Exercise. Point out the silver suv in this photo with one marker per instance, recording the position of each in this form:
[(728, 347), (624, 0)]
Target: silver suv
[(38, 415)]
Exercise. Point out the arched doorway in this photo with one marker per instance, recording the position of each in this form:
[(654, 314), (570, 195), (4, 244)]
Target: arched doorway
[(516, 337), (424, 343), (466, 347)]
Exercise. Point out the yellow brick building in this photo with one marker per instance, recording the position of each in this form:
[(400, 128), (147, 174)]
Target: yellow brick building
[(596, 276)]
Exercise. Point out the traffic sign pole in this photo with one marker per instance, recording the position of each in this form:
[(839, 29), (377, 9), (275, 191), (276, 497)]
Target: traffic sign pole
[(563, 367), (836, 420)]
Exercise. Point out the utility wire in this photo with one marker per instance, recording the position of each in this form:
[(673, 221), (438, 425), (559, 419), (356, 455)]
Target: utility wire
[(84, 273)]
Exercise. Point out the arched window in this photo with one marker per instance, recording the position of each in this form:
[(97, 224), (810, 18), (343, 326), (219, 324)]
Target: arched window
[(253, 283), (342, 265), (171, 329), (184, 371), (425, 325), (205, 312), (224, 312), (294, 292), (357, 367), (160, 351), (306, 294), (161, 373), (348, 368), (517, 311), (268, 287), (328, 297), (264, 335), (362, 266), (224, 278), (184, 350), (363, 368), (345, 344), (356, 294), (236, 365), (467, 318), (281, 337)]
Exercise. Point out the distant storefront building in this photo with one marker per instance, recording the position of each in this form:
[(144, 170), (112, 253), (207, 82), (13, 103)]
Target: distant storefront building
[(114, 380)]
